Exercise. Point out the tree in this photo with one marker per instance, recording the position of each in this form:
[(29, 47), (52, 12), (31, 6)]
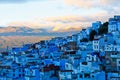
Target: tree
[(103, 28), (92, 34)]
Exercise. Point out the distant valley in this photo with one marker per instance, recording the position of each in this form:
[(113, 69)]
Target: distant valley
[(17, 36)]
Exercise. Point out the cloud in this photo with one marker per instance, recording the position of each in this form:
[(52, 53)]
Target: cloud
[(65, 28), (67, 19), (64, 23), (16, 1), (107, 8), (68, 23), (92, 3), (78, 18), (13, 1), (79, 3), (50, 26), (111, 6)]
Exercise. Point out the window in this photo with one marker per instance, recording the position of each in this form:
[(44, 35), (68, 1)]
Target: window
[(81, 76), (13, 70), (88, 57), (96, 46), (95, 42), (119, 62), (19, 70), (67, 65), (87, 75), (23, 70), (19, 75), (92, 58), (115, 53), (84, 63), (74, 76), (13, 74), (92, 76)]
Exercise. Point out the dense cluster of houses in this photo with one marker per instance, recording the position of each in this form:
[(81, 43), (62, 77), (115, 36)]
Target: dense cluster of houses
[(67, 58)]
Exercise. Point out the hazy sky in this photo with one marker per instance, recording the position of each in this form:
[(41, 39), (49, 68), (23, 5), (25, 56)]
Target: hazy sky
[(56, 14)]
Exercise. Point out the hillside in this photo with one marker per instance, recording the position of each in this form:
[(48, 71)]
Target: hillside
[(16, 41), (16, 36)]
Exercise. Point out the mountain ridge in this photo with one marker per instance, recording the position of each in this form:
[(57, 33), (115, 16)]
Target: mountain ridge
[(15, 36), (20, 29)]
